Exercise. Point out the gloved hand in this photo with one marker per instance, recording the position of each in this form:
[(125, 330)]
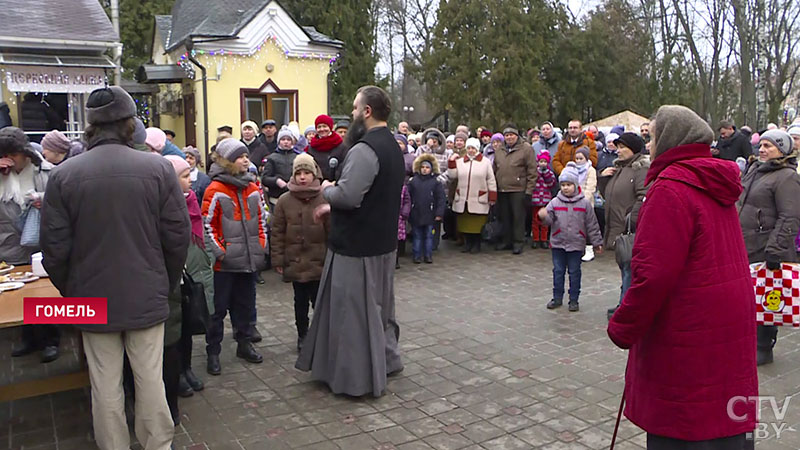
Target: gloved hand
[(773, 263)]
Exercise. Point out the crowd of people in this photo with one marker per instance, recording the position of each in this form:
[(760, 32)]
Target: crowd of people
[(293, 202)]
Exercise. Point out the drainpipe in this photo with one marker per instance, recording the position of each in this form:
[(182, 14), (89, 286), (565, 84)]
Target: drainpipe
[(189, 46), (118, 47)]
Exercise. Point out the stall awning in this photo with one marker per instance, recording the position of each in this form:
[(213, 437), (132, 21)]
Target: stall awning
[(160, 73), (22, 59)]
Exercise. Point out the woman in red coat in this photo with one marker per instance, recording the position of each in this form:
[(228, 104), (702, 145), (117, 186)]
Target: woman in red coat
[(688, 317)]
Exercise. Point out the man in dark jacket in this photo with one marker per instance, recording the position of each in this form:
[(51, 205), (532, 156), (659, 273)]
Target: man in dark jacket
[(269, 128), (515, 169), (115, 225), (732, 143)]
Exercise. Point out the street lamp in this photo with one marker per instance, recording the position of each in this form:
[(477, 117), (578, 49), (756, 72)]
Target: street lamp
[(408, 110)]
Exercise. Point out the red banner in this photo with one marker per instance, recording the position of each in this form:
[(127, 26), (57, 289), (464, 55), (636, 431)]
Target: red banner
[(65, 311)]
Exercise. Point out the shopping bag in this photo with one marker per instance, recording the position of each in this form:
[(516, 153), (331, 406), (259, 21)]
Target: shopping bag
[(195, 308), (30, 228), (777, 294), (493, 230)]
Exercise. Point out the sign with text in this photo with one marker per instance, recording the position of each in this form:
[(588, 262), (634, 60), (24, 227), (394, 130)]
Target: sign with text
[(54, 79), (65, 311)]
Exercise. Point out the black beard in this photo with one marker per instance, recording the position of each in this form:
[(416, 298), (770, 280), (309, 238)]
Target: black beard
[(357, 130)]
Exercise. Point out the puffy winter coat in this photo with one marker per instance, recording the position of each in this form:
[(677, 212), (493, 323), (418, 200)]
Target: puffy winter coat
[(138, 256), (624, 195), (257, 152), (769, 209), (589, 185), (476, 186), (573, 222), (605, 159), (298, 243), (688, 315), (551, 145), (515, 168), (277, 165), (11, 251), (427, 194), (236, 221), (566, 152), (542, 194)]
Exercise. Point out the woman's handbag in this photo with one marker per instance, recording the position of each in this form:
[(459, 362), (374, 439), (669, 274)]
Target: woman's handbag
[(195, 308), (623, 244), (493, 229), (30, 228)]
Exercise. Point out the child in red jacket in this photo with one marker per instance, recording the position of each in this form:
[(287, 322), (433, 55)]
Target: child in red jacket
[(542, 194)]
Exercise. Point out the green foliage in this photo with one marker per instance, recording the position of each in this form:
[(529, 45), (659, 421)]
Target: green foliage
[(136, 31), (485, 64), (350, 22)]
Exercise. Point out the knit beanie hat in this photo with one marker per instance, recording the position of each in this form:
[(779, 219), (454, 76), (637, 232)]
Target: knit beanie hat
[(139, 132), (486, 133), (508, 130), (794, 130), (178, 163), (285, 132), (584, 151), (544, 155), (425, 162), (451, 138), (304, 161), (309, 129), (461, 135), (56, 141), (343, 124), (231, 149), (400, 137), (569, 174), (189, 150), (295, 129), (780, 139), (631, 140), (677, 125), (474, 143), (251, 124), (156, 138), (108, 105), (324, 118), (498, 137), (611, 137)]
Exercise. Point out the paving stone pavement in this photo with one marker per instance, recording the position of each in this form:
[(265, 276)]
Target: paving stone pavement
[(486, 367)]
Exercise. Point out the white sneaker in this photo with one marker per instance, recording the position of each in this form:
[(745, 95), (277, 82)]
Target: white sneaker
[(589, 255)]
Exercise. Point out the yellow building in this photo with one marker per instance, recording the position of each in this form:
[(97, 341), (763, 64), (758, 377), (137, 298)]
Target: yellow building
[(260, 64)]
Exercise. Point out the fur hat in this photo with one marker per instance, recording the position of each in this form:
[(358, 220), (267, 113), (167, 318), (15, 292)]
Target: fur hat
[(285, 132), (778, 138), (498, 137), (677, 125), (461, 135), (56, 141), (510, 130), (569, 174), (156, 138), (231, 149), (474, 143), (324, 118), (178, 163), (251, 124), (13, 140), (304, 161), (108, 105), (430, 159), (544, 155)]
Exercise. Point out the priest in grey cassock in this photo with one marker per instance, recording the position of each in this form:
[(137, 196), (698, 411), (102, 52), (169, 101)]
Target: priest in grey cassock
[(352, 343)]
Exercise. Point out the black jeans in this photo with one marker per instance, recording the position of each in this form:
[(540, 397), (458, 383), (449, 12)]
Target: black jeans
[(172, 372), (185, 343), (304, 294), (563, 260), (235, 292), (512, 213)]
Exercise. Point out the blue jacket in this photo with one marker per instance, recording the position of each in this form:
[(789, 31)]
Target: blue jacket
[(427, 200)]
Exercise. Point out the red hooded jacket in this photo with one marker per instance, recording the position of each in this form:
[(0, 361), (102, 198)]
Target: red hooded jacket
[(689, 315)]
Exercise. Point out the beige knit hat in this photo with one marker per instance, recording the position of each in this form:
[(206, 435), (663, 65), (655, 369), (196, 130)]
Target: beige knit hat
[(304, 161)]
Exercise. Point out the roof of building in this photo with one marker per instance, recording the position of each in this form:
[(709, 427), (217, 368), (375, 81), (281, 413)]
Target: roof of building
[(164, 27), (81, 20), (214, 19)]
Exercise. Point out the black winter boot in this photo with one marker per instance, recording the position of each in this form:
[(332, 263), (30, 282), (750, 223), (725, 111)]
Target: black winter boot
[(767, 337)]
